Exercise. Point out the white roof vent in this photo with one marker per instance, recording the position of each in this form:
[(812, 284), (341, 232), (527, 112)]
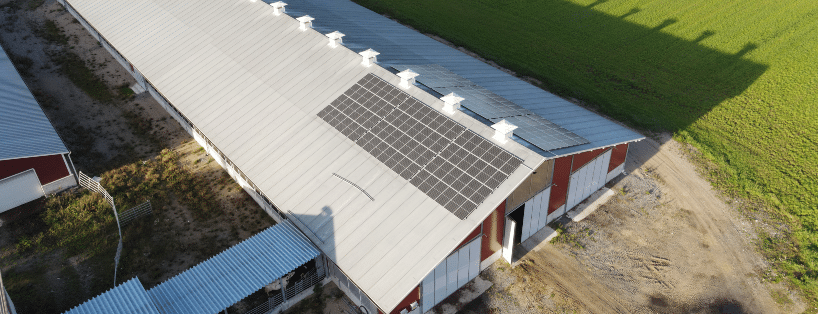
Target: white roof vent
[(278, 7), (452, 103), (335, 39), (306, 22), (503, 131), (407, 78), (369, 57)]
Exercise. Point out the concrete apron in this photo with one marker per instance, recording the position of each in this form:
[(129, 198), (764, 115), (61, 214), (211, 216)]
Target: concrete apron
[(467, 293), (538, 240)]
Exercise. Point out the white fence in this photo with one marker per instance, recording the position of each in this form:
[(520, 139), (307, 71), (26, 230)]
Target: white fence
[(93, 185), (273, 304), (137, 211), (6, 307)]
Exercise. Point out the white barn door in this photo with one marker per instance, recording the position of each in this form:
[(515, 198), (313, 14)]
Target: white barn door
[(588, 180), (451, 274), (536, 214), (19, 189)]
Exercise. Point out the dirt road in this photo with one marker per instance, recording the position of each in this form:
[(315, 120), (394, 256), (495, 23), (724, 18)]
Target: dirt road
[(666, 243)]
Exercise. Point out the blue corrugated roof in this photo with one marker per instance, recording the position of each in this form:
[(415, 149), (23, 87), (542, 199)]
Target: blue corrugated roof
[(229, 277), (24, 129), (129, 297), (398, 44)]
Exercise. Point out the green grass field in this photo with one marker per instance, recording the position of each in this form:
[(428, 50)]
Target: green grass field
[(738, 79)]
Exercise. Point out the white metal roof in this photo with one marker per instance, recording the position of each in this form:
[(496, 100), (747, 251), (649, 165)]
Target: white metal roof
[(24, 129), (253, 83), (227, 278), (129, 297), (401, 45)]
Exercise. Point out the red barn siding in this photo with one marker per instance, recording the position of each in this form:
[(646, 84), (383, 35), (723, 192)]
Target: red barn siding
[(583, 158), (559, 189), (48, 168), (493, 228), (618, 156), (413, 296), (468, 238)]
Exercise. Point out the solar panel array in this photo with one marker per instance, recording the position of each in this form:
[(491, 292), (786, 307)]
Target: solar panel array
[(531, 127), (482, 101), (452, 165)]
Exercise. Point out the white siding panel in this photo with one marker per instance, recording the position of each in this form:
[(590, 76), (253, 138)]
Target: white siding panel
[(615, 172), (19, 189), (451, 274), (528, 211), (440, 282), (545, 197), (428, 292), (474, 258), (463, 266), (535, 216), (572, 189)]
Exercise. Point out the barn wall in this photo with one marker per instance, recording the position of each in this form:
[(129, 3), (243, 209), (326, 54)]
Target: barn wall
[(618, 155), (559, 188), (493, 228), (49, 168), (413, 297), (582, 159), (533, 185)]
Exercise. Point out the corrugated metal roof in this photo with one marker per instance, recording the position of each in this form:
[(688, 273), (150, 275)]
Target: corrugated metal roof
[(253, 83), (401, 45), (24, 129), (127, 298), (234, 274)]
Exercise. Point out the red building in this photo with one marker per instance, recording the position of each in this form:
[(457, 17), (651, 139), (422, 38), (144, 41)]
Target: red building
[(33, 159)]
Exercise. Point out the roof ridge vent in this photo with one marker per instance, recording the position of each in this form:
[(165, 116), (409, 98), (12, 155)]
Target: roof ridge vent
[(451, 103), (407, 78), (306, 22), (369, 57), (503, 131), (278, 7), (335, 39)]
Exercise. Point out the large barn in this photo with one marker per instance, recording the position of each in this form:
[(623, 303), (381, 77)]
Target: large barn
[(33, 159), (410, 165)]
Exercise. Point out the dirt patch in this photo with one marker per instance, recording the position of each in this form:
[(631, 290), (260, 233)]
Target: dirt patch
[(665, 243), (106, 136)]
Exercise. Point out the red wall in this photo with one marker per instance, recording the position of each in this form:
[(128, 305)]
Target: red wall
[(48, 168), (583, 158), (493, 229), (468, 238), (413, 296), (618, 156), (559, 189)]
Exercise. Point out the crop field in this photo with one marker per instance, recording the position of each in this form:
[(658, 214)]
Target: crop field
[(737, 79)]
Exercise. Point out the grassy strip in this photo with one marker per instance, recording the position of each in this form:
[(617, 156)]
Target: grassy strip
[(79, 222), (733, 78), (78, 72)]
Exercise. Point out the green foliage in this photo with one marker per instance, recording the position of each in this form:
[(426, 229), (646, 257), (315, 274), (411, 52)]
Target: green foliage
[(75, 69), (33, 4), (734, 78), (76, 222), (126, 92), (83, 222), (52, 33)]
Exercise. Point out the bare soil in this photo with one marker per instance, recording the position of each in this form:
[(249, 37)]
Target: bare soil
[(103, 136), (666, 243)]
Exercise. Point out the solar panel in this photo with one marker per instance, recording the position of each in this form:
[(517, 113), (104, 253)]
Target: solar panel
[(531, 127), (543, 133), (450, 164)]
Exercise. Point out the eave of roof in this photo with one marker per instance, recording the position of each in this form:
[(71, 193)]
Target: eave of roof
[(25, 131)]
